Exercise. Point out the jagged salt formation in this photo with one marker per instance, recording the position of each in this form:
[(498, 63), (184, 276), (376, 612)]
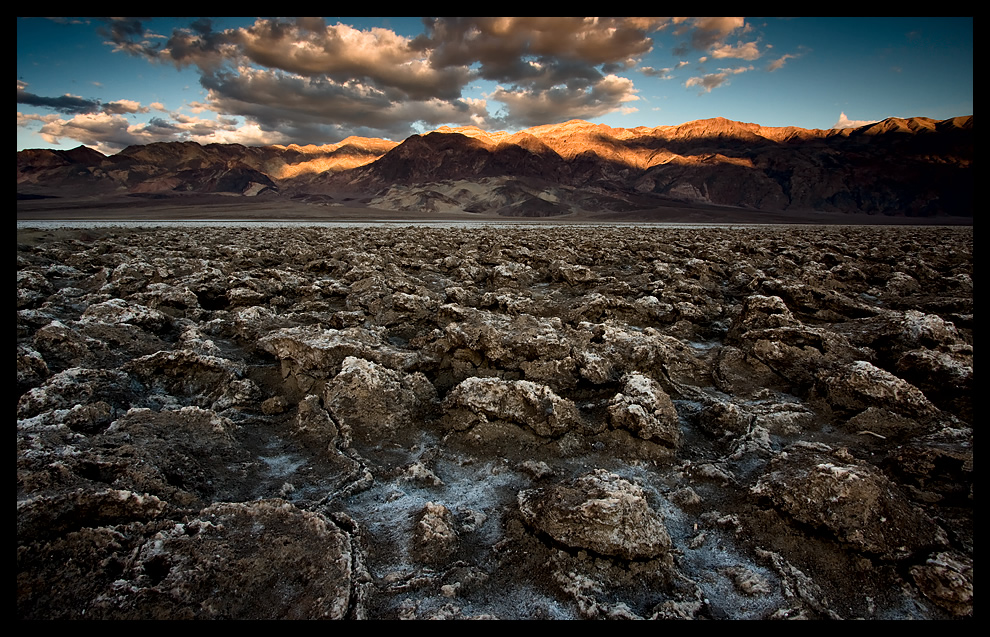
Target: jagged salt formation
[(503, 422)]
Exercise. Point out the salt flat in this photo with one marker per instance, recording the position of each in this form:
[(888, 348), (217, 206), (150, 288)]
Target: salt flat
[(461, 419)]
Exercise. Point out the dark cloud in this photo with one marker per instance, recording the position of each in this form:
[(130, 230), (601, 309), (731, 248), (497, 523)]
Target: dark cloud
[(275, 97), (157, 125), (67, 104), (532, 108), (73, 105), (663, 74), (199, 45), (497, 44), (279, 101), (121, 30), (533, 51), (129, 35), (554, 69), (203, 26)]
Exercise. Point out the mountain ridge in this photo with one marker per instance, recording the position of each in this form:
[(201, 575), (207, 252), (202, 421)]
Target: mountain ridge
[(899, 166)]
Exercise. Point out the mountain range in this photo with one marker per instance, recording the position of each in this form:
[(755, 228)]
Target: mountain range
[(916, 167)]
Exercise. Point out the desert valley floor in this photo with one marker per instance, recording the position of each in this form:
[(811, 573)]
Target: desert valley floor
[(511, 421)]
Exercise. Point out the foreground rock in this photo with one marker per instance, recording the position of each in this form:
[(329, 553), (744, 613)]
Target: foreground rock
[(522, 402), (600, 512), (504, 422), (830, 489), (209, 566)]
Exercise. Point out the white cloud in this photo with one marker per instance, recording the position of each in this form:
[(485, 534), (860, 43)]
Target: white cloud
[(845, 122)]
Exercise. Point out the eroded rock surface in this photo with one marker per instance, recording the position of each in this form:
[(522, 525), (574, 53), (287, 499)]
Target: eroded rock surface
[(513, 422)]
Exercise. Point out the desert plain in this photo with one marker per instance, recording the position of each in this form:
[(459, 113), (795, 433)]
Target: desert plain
[(724, 417)]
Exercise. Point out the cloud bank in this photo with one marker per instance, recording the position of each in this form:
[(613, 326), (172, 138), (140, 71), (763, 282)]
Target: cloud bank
[(304, 80)]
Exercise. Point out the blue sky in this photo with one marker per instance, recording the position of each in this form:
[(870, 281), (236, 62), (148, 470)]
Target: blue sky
[(109, 83)]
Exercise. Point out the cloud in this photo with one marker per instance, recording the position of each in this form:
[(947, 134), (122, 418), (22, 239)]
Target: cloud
[(845, 122), (714, 80), (498, 45), (308, 47), (548, 69), (98, 130), (319, 110), (111, 132), (745, 51), (776, 65), (707, 32), (63, 104), (532, 108), (663, 74), (73, 104), (120, 107), (340, 52), (707, 82), (313, 78), (304, 80), (130, 36)]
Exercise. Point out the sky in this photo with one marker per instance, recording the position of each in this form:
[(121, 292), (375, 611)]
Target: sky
[(109, 83)]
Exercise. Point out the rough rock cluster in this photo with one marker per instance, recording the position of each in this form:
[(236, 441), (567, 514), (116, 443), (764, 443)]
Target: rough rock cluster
[(495, 422)]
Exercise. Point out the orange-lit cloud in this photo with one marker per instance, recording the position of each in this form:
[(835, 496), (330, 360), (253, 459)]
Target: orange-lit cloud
[(120, 107), (707, 32), (744, 51), (777, 64)]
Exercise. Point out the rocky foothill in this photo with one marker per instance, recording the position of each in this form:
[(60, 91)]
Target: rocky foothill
[(495, 422)]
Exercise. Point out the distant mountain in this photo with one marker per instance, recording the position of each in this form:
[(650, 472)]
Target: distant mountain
[(911, 167), (190, 167)]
